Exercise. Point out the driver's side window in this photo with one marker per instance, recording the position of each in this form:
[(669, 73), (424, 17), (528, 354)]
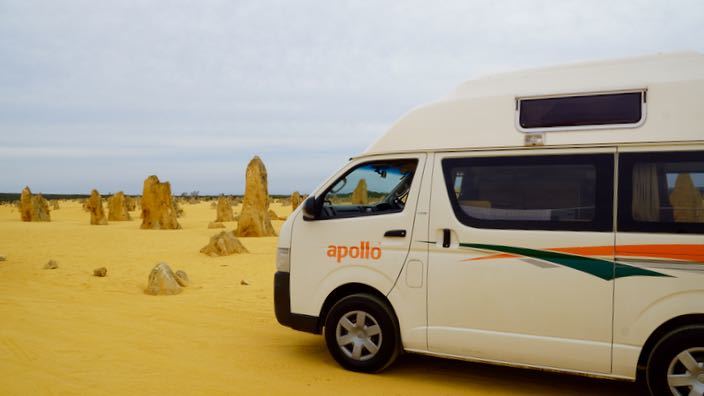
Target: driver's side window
[(371, 188)]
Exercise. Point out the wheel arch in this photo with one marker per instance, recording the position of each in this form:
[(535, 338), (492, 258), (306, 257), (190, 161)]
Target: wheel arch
[(349, 289), (662, 330)]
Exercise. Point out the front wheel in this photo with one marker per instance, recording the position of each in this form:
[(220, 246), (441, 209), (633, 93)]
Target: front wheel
[(676, 364), (362, 334)]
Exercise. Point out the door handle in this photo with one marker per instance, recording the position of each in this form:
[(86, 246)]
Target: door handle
[(446, 238), (395, 233)]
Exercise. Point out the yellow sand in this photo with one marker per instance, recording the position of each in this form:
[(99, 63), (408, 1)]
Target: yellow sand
[(64, 331)]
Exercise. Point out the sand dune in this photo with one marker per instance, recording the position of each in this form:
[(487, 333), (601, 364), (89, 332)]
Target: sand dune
[(65, 331)]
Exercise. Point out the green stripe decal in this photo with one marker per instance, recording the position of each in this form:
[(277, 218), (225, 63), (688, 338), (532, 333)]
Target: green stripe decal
[(600, 268)]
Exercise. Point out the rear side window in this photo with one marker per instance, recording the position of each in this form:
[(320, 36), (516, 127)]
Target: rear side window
[(565, 192), (580, 111), (662, 192)]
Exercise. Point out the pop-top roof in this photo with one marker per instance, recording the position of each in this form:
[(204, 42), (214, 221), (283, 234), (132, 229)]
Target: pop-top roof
[(482, 113)]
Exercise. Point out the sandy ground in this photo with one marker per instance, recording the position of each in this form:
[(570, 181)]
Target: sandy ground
[(64, 331)]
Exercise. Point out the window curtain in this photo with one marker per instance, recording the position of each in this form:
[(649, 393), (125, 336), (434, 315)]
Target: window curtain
[(646, 198)]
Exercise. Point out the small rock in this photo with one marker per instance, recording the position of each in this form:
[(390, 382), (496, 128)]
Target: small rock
[(162, 281), (52, 264), (213, 224), (3, 258), (224, 244), (182, 278), (244, 283), (101, 272)]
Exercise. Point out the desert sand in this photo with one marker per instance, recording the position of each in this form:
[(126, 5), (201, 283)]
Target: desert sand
[(65, 331)]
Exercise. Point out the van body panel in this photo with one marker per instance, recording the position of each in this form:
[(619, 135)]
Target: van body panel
[(570, 354), (409, 295), (285, 233), (641, 305), (479, 301), (315, 271), (624, 360)]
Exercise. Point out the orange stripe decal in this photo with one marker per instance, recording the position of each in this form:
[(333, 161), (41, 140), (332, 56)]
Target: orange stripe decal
[(693, 253), (676, 252)]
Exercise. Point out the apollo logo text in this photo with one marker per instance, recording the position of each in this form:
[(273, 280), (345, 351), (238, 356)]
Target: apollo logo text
[(363, 251)]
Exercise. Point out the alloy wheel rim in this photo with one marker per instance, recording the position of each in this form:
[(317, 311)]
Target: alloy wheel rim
[(685, 375), (358, 335)]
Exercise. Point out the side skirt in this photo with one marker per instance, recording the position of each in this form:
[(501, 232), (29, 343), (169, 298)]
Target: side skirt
[(523, 366)]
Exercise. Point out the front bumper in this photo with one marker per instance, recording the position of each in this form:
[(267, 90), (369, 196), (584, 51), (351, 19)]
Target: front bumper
[(282, 307)]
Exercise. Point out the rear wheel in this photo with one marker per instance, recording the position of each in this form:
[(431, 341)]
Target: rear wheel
[(676, 364), (361, 333)]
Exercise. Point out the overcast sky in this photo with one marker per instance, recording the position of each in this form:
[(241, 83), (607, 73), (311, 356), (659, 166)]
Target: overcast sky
[(101, 94)]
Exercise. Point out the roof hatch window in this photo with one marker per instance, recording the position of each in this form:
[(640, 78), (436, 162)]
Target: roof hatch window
[(581, 112)]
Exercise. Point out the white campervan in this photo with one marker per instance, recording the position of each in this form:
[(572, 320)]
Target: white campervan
[(550, 218)]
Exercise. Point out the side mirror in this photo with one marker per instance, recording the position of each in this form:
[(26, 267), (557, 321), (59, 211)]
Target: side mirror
[(311, 211)]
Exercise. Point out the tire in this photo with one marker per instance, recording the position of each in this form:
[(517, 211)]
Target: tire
[(370, 347), (676, 364)]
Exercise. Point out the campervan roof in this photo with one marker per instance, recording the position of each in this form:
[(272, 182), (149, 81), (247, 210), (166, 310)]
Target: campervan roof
[(484, 113)]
